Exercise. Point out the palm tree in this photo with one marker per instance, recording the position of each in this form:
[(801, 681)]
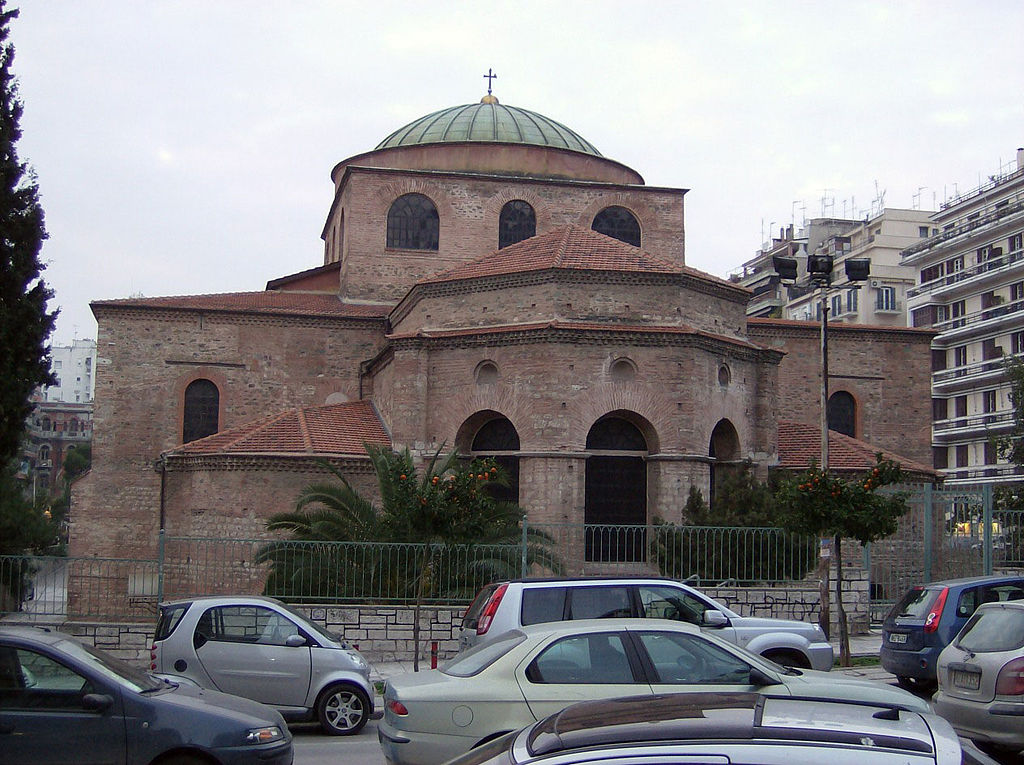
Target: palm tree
[(458, 535)]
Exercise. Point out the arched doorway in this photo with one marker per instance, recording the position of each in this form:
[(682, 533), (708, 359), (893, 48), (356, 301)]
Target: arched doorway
[(616, 491), (724, 449)]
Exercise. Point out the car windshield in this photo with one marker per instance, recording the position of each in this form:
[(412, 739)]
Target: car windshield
[(307, 625), (476, 659), (916, 604), (992, 630), (110, 667)]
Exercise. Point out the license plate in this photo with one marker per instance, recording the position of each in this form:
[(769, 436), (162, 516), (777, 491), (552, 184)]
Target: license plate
[(897, 637), (969, 681)]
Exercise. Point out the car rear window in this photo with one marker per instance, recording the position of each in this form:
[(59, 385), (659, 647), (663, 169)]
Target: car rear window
[(916, 603), (472, 616), (479, 657), (993, 630), (543, 604), (169, 618)]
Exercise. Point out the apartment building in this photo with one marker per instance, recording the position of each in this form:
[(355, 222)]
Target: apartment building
[(971, 289), (62, 418), (881, 301)]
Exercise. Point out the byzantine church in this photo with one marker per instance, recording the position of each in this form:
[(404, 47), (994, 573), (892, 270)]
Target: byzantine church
[(491, 283)]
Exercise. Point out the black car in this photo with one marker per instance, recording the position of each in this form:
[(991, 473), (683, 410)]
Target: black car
[(62, 701), (927, 618)]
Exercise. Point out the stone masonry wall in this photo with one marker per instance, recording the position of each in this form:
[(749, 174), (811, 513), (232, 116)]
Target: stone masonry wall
[(385, 633)]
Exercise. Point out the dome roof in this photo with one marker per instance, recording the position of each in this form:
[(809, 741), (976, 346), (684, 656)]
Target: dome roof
[(491, 122)]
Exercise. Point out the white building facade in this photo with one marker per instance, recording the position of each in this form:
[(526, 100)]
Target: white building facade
[(971, 289)]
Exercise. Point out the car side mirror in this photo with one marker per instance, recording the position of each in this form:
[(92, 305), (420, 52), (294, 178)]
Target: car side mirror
[(295, 641), (761, 679), (97, 702), (714, 618)]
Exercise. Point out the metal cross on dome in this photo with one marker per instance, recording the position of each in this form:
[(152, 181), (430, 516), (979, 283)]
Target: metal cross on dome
[(489, 76)]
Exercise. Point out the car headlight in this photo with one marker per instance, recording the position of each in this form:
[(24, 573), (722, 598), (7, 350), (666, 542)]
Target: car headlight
[(358, 660), (263, 735)]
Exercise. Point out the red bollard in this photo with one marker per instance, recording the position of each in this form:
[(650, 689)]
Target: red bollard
[(433, 654)]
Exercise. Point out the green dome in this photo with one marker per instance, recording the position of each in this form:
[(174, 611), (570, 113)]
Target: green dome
[(491, 122)]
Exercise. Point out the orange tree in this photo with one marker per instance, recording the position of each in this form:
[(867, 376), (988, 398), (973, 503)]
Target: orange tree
[(821, 503)]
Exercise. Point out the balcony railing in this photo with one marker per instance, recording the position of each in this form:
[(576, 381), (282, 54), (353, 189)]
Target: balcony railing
[(978, 421), (993, 264), (964, 228), (969, 370), (993, 312)]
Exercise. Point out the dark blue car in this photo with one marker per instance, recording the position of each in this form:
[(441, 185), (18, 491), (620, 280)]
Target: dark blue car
[(62, 701), (927, 618)]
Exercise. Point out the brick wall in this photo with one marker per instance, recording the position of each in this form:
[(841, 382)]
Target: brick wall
[(886, 370)]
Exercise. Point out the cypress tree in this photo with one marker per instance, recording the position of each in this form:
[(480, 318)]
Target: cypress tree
[(25, 325)]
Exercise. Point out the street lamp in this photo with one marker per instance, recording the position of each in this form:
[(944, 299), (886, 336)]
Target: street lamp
[(819, 271)]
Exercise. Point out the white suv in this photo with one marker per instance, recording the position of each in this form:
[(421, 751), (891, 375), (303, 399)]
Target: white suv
[(501, 606)]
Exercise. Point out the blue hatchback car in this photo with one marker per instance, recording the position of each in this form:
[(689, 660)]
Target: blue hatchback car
[(927, 618)]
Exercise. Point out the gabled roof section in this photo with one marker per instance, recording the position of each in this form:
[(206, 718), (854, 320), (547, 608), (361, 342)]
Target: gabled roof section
[(312, 279), (570, 247), (800, 445), (333, 430), (276, 302)]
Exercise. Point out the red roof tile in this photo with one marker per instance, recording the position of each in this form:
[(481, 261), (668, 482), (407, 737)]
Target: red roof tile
[(800, 444), (570, 247), (270, 302), (319, 430)]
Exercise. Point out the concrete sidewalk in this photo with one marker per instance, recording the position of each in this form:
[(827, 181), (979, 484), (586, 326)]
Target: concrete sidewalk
[(866, 645)]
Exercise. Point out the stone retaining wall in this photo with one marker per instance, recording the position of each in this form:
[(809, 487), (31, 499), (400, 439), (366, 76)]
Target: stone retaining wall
[(385, 633)]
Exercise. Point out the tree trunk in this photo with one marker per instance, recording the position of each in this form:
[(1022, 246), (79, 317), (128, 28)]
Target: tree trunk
[(428, 557), (844, 634)]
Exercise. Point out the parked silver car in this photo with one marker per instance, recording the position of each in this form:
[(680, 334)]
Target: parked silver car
[(731, 728), (501, 606), (523, 675), (262, 649), (981, 677), (62, 701)]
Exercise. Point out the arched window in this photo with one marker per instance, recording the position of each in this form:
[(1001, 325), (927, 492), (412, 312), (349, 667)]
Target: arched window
[(517, 222), (413, 223), (842, 411), (44, 454), (487, 373), (725, 448), (622, 371), (202, 408), (618, 223), (616, 492), (497, 439)]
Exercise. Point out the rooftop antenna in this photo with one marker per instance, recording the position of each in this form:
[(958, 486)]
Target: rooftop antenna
[(917, 204)]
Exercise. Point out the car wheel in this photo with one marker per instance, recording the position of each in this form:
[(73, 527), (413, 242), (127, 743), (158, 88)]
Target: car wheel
[(916, 684), (343, 709), (787, 658)]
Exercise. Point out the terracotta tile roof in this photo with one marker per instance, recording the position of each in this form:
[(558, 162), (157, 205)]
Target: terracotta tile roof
[(570, 247), (270, 302), (319, 430), (800, 444)]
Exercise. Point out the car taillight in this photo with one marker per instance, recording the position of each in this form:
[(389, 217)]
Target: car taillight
[(484, 623), (398, 708), (931, 623), (1011, 679), (152, 657)]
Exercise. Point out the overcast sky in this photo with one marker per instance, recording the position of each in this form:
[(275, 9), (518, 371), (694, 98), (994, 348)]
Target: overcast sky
[(185, 147)]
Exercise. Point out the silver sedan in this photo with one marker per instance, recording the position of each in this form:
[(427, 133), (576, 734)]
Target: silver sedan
[(529, 673), (981, 677)]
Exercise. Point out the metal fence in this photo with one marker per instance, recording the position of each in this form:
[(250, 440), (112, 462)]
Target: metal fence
[(946, 533)]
